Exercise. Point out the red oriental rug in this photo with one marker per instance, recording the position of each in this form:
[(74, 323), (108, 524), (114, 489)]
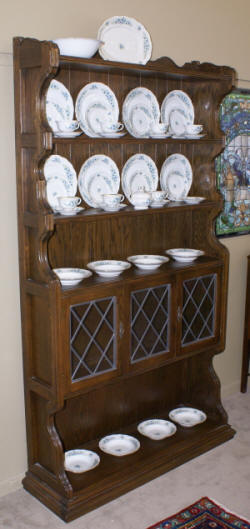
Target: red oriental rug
[(203, 514)]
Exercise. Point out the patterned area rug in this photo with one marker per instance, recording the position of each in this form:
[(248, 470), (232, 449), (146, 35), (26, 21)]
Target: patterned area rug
[(203, 514)]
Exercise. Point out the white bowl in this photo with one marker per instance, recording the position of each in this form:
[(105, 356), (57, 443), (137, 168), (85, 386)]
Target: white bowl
[(193, 200), (156, 429), (184, 254), (147, 262), (108, 268), (119, 444), (78, 47), (71, 276), (80, 460), (187, 417)]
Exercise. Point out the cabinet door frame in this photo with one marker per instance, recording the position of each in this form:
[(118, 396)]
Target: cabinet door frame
[(156, 360), (92, 297), (215, 338)]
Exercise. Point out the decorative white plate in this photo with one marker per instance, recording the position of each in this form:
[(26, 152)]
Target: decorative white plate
[(60, 167), (178, 121), (71, 276), (193, 200), (176, 176), (124, 40), (177, 100), (59, 104), (119, 444), (80, 460), (184, 254), (98, 175), (157, 429), (147, 262), (96, 98), (56, 187), (139, 172), (140, 120), (139, 97), (187, 416), (114, 134), (69, 212), (109, 268)]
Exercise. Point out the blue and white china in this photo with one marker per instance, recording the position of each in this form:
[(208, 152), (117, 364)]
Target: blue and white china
[(140, 104), (68, 134), (178, 122), (193, 200), (112, 199), (55, 188), (156, 429), (71, 276), (148, 262), (187, 417), (69, 202), (176, 176), (184, 255), (139, 172), (68, 212), (60, 179), (94, 102), (67, 126), (98, 175), (112, 209), (119, 444), (59, 104), (80, 460), (177, 100), (108, 268), (124, 39), (140, 199)]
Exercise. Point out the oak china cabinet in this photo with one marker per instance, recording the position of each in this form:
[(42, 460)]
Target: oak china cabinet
[(107, 354)]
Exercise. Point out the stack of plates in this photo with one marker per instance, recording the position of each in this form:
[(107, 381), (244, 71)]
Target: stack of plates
[(139, 109), (60, 179)]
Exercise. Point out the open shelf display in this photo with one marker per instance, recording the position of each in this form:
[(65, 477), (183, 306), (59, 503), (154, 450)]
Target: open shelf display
[(108, 353)]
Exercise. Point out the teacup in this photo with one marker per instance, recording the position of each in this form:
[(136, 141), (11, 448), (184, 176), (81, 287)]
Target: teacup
[(158, 196), (193, 129), (108, 126), (158, 128), (69, 202), (112, 199), (67, 125)]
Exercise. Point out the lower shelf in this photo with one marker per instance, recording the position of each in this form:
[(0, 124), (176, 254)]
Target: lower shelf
[(118, 475)]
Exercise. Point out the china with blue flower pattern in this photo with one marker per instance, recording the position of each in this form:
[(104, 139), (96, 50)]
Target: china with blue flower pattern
[(59, 104), (98, 175), (60, 177), (139, 172), (119, 444), (94, 101), (177, 100), (124, 39), (143, 102), (176, 176)]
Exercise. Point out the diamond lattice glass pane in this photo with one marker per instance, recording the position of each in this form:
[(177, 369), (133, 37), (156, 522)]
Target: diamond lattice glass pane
[(92, 339), (149, 322), (199, 296)]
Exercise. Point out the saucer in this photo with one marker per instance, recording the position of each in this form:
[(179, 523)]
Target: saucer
[(69, 212), (187, 417), (68, 134), (113, 209), (119, 444), (156, 429), (159, 203), (80, 460), (159, 135), (113, 134)]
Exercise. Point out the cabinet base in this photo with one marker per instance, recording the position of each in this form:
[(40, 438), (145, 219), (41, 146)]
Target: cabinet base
[(89, 498)]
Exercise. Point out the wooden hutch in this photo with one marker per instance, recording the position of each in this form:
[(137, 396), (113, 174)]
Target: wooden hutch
[(101, 357)]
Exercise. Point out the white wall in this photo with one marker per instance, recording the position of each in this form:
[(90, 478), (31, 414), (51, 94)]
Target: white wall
[(216, 31)]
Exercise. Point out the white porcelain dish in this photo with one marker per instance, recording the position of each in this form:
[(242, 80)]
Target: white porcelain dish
[(60, 167), (157, 429), (178, 122), (68, 134), (144, 103), (96, 98), (184, 254), (124, 40), (187, 417), (56, 187), (59, 104), (109, 268), (193, 200), (177, 100), (139, 172), (69, 212), (78, 47), (147, 262), (71, 276), (98, 175), (119, 444), (176, 176), (111, 209), (159, 203), (78, 461)]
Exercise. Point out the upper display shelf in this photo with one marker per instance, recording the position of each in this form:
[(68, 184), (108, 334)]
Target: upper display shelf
[(163, 67)]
